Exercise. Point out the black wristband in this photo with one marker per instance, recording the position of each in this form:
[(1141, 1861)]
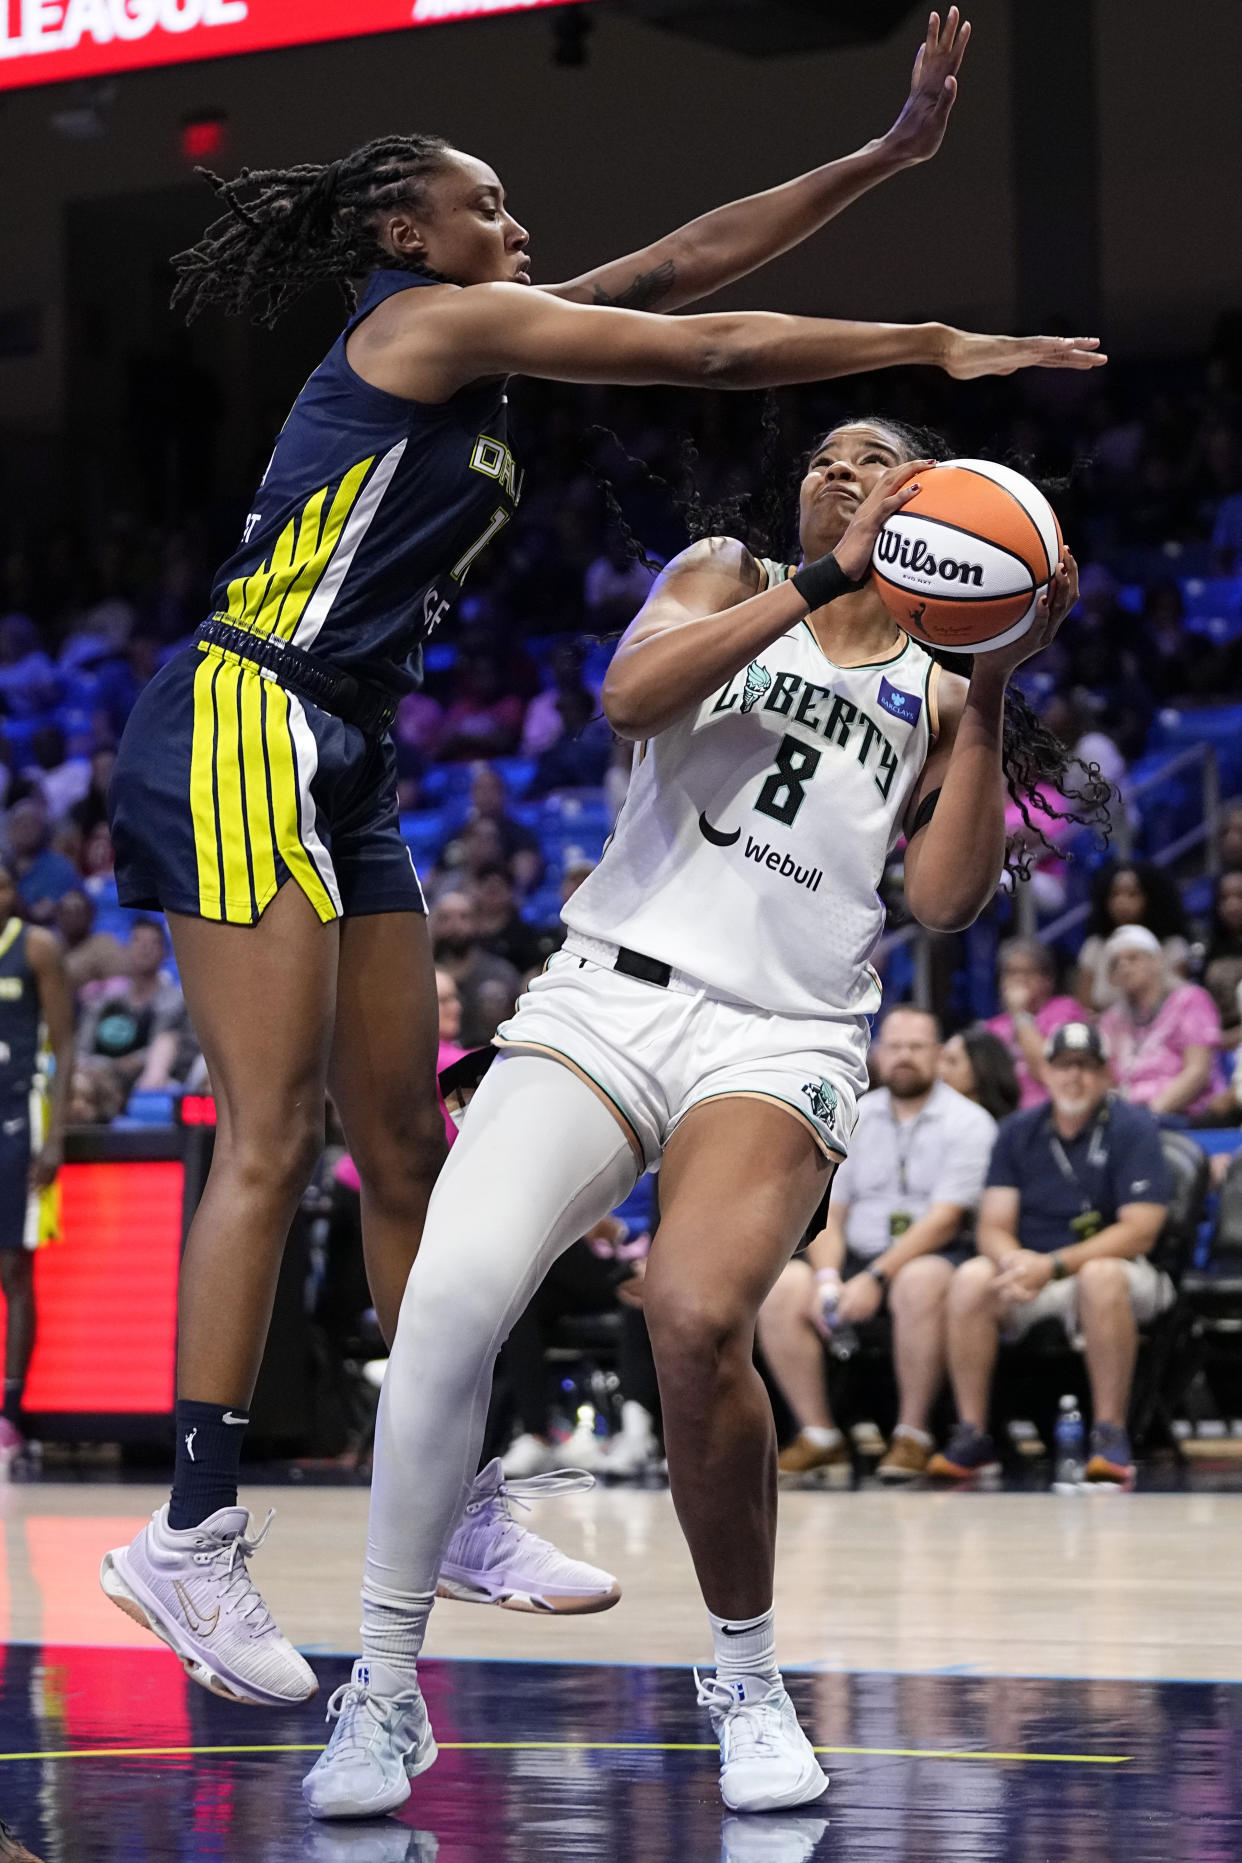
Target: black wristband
[(822, 581)]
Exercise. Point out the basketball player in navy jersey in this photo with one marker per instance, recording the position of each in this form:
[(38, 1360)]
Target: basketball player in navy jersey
[(35, 996), (261, 754), (706, 1016)]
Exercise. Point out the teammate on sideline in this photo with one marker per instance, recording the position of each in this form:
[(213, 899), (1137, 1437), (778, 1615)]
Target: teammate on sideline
[(261, 754), (708, 1015), (34, 994)]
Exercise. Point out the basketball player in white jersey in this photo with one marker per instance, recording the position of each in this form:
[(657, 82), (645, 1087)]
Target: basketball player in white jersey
[(707, 1015)]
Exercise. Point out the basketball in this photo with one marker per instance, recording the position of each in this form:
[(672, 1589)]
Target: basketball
[(964, 563)]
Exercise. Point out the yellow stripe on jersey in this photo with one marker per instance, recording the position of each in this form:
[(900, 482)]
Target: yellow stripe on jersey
[(244, 794), (272, 598)]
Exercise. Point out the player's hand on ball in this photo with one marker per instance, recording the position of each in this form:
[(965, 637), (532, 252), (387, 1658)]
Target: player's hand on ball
[(890, 492), (919, 130), (968, 355), (1053, 606)]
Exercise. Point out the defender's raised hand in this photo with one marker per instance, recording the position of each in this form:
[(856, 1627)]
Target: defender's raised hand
[(919, 130)]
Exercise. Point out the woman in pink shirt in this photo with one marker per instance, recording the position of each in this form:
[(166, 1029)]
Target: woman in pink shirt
[(1163, 1035), (1027, 976)]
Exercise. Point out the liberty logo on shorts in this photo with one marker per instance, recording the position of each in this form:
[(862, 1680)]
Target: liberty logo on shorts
[(823, 1097), (899, 704), (758, 679)]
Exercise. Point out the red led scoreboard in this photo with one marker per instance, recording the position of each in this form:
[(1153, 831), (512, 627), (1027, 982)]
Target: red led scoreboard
[(48, 41)]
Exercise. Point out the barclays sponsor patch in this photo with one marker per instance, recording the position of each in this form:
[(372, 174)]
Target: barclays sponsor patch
[(899, 704)]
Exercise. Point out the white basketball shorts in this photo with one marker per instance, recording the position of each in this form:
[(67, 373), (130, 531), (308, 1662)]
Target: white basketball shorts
[(655, 1051)]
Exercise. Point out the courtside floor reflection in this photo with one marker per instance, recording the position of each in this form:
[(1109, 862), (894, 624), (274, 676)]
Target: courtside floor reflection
[(112, 1754)]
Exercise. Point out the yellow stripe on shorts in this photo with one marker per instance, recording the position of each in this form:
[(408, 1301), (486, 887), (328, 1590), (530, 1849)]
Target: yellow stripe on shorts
[(244, 794)]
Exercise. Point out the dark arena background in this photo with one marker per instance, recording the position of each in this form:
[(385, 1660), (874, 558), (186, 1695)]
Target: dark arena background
[(1004, 1667)]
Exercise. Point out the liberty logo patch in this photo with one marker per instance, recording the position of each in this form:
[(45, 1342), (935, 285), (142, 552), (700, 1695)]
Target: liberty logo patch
[(899, 704), (823, 1097), (758, 679)]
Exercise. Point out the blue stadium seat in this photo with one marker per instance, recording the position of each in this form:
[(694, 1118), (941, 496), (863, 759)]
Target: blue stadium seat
[(149, 1109), (1213, 606)]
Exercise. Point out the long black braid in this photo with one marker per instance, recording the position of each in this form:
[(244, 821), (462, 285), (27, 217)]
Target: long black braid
[(286, 229), (1034, 760)]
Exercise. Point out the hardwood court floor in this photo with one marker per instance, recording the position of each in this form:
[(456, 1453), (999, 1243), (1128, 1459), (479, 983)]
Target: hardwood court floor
[(1140, 1585), (971, 1667)]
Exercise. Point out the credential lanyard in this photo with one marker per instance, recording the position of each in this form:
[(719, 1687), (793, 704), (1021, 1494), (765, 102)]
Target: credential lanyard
[(1097, 1155)]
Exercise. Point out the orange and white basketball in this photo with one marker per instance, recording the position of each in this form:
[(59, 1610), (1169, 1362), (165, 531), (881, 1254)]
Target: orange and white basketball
[(964, 563)]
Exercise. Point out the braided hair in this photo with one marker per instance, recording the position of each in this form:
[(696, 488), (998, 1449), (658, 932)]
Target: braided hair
[(1034, 760), (286, 229)]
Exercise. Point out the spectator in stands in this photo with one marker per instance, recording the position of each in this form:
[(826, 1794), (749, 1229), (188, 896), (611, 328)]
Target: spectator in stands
[(91, 957), (43, 875), (139, 1032), (514, 843), (1129, 893), (899, 1203), (487, 986), (28, 681), (579, 759), (1026, 976), (546, 715), (1076, 1195), (92, 808), (98, 861), (61, 779), (1222, 959), (615, 587), (499, 925), (484, 720), (1229, 836), (1162, 1034), (980, 1066)]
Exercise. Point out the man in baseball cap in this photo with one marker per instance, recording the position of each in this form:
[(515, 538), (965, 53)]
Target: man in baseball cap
[(1076, 1195)]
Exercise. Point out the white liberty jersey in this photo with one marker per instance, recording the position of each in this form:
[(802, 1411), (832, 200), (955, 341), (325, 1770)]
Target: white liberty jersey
[(751, 844)]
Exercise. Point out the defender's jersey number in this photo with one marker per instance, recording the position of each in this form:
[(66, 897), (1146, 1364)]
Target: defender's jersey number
[(784, 791)]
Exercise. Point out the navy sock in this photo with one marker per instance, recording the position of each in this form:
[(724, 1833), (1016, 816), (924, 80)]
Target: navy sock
[(13, 1399), (209, 1443)]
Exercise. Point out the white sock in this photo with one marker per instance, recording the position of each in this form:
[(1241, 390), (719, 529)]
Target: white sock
[(392, 1636), (745, 1649), (917, 1436), (819, 1437)]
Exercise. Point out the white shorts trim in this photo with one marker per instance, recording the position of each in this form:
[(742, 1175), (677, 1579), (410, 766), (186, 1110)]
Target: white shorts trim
[(657, 1052)]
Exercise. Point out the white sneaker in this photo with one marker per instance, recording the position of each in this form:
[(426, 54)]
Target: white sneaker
[(492, 1559), (634, 1449), (766, 1761), (193, 1589), (526, 1455), (378, 1745), (582, 1449)]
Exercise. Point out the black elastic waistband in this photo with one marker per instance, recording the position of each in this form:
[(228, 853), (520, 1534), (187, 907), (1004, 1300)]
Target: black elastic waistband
[(357, 701)]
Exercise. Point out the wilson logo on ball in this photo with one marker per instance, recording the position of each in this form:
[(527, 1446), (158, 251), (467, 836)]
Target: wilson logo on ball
[(964, 563), (913, 555)]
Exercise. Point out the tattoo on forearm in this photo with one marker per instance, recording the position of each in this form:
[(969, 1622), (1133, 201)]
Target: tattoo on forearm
[(644, 291)]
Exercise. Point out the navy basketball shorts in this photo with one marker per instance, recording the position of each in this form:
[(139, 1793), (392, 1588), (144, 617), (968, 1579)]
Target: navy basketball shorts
[(15, 1141), (227, 785)]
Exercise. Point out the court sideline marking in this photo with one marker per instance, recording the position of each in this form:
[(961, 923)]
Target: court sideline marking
[(579, 1746)]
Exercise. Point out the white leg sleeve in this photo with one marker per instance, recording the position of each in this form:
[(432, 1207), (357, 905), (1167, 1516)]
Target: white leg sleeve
[(539, 1160)]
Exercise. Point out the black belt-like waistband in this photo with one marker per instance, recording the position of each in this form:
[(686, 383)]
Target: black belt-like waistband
[(360, 703), (647, 969)]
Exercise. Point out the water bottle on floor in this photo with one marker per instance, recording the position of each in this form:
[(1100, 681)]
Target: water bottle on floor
[(1070, 1464)]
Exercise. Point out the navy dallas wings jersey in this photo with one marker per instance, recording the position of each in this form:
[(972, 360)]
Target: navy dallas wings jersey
[(370, 515), (367, 522)]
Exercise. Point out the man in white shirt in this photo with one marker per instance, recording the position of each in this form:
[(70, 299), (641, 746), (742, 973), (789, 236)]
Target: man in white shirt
[(915, 1171)]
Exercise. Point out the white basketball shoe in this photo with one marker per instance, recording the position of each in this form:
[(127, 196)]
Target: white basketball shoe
[(380, 1742), (493, 1559), (766, 1761), (193, 1589)]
